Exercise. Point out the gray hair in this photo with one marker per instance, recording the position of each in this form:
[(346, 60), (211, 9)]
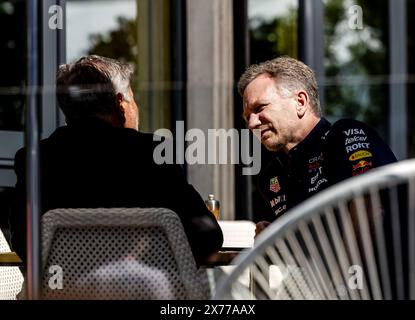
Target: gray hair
[(89, 86), (289, 73)]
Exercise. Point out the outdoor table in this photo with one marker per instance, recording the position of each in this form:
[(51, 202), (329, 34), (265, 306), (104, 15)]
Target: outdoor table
[(10, 259)]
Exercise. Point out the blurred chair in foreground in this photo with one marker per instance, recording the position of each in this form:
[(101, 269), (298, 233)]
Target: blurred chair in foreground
[(11, 279), (118, 253), (355, 240)]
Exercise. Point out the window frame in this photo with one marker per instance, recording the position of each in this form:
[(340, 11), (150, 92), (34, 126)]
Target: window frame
[(52, 53)]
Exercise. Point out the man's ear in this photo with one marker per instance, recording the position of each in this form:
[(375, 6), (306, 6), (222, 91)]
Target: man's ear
[(120, 107), (119, 98), (302, 101)]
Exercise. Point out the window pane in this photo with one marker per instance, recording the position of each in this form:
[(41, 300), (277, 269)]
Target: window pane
[(127, 31), (12, 64), (272, 32), (356, 61), (102, 27), (272, 29)]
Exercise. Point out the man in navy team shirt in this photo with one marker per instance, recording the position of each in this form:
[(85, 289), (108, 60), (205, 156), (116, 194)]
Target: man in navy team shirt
[(281, 103)]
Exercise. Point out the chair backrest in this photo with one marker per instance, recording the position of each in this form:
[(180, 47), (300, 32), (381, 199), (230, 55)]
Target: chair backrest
[(118, 253), (355, 240), (11, 279)]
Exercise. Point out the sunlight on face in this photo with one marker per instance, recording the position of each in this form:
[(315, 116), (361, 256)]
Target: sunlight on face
[(272, 113)]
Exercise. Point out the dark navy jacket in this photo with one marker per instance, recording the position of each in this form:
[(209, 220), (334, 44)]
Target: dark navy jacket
[(329, 154), (91, 164)]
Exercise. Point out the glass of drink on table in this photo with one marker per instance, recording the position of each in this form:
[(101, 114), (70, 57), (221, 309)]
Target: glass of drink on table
[(213, 205)]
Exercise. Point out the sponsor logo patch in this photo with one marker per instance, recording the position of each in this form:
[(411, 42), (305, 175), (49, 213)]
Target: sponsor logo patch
[(360, 171), (278, 199), (359, 145), (274, 185), (355, 132), (314, 166), (314, 179), (315, 159), (315, 163), (360, 155), (319, 182), (362, 164), (354, 139), (279, 210)]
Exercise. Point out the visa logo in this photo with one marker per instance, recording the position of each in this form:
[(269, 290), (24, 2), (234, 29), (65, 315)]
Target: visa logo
[(354, 132)]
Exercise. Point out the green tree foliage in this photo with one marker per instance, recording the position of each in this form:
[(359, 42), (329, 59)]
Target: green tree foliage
[(273, 38), (119, 43), (356, 63)]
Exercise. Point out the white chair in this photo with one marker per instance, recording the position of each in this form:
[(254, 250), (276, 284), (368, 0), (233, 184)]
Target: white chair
[(355, 240), (11, 279), (118, 253)]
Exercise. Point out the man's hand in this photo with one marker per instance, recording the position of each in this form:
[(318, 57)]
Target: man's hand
[(261, 226)]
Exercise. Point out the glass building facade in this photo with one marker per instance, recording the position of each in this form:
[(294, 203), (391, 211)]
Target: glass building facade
[(189, 54)]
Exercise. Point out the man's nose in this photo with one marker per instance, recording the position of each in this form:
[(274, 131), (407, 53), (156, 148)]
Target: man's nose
[(253, 121)]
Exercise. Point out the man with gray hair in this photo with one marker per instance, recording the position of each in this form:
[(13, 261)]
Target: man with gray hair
[(100, 159), (78, 98), (281, 105)]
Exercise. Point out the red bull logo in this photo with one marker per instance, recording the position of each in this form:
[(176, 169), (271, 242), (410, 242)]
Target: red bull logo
[(360, 171), (362, 164)]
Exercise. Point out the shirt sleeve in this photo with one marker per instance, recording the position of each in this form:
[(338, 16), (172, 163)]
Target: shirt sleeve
[(353, 148)]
